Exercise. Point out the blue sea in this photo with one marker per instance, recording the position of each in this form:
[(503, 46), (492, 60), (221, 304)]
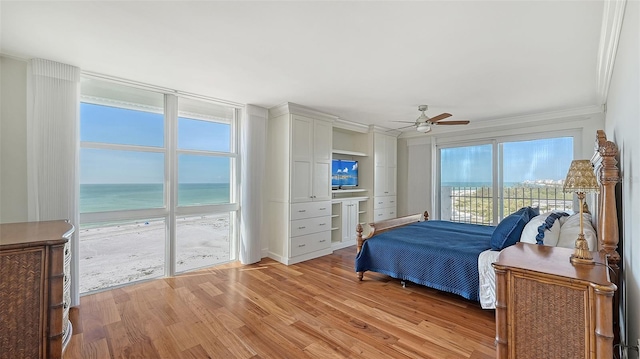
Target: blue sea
[(118, 197)]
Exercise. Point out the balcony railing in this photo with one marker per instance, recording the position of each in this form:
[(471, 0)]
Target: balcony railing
[(471, 204)]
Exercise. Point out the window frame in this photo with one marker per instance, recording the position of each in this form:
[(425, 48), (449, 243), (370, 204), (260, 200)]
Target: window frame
[(170, 210)]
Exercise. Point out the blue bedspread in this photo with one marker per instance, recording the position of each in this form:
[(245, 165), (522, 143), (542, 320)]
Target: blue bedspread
[(438, 254)]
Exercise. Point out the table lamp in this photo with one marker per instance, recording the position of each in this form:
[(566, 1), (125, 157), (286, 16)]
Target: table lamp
[(581, 179)]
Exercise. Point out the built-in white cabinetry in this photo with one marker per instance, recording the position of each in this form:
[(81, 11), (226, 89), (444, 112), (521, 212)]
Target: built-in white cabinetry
[(385, 173), (347, 212), (384, 207), (311, 159), (298, 183), (310, 228)]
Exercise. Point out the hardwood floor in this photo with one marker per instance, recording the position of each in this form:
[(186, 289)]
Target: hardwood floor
[(314, 309)]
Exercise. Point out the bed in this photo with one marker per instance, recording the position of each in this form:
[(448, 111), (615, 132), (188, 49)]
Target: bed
[(457, 257)]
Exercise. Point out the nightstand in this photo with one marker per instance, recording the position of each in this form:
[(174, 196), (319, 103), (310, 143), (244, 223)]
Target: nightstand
[(548, 308)]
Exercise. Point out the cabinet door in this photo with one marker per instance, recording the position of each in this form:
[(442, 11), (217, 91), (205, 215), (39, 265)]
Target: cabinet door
[(391, 151), (349, 220), (301, 159), (322, 143), (391, 174), (379, 149), (380, 181)]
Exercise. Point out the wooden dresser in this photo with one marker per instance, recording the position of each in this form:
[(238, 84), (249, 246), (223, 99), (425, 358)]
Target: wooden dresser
[(548, 308), (34, 289)]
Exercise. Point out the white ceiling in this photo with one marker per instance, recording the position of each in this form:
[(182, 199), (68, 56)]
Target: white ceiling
[(367, 62)]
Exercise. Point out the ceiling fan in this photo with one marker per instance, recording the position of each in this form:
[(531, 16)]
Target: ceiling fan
[(423, 122)]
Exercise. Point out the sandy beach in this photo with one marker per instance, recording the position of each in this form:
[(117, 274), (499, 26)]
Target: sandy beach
[(132, 251)]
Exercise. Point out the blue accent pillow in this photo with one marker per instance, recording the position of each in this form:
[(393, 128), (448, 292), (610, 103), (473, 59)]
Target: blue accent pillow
[(509, 230), (548, 223)]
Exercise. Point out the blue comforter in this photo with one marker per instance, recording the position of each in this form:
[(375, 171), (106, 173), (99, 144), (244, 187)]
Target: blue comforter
[(438, 254)]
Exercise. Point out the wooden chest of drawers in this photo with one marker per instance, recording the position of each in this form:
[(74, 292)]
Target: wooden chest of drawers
[(547, 307), (35, 263)]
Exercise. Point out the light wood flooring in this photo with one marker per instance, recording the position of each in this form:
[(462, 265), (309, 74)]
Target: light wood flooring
[(314, 309)]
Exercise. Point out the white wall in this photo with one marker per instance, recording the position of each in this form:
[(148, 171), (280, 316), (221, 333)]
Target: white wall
[(13, 140), (622, 125), (414, 176)]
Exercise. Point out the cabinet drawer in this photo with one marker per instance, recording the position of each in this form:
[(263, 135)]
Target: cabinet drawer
[(310, 243), (310, 210), (384, 202), (305, 226), (384, 213)]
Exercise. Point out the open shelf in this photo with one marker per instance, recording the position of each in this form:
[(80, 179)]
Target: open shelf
[(349, 153)]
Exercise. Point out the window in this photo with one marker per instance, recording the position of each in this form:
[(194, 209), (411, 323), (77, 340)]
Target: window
[(483, 183), (157, 188)]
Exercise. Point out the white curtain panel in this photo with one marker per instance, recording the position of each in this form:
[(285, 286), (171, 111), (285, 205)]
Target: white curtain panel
[(52, 147), (253, 156)]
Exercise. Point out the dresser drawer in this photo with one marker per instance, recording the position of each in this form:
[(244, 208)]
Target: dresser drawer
[(310, 243), (310, 210), (384, 202), (384, 213), (306, 226)]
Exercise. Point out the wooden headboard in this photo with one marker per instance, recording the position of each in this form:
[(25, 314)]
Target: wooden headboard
[(606, 169), (608, 174)]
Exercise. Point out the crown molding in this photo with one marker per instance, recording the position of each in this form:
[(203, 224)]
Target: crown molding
[(384, 130), (292, 108), (254, 110), (351, 126), (612, 17)]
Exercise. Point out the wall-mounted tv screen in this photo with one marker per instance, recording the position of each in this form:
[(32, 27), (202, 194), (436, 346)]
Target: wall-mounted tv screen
[(344, 173)]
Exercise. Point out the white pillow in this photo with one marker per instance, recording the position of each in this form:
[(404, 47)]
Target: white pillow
[(530, 231), (571, 228)]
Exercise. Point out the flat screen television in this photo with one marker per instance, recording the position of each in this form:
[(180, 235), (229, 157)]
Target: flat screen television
[(344, 173)]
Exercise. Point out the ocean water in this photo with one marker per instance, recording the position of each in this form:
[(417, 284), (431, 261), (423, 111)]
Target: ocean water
[(118, 197), (486, 184)]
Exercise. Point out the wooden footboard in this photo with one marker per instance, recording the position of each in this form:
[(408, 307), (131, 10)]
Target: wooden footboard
[(369, 230)]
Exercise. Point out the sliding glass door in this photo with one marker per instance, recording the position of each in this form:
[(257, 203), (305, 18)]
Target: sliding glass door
[(482, 183)]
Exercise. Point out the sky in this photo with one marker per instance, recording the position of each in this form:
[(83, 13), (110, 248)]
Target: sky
[(128, 127), (523, 161)]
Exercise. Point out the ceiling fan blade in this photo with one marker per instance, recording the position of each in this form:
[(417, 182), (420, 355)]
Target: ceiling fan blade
[(453, 123), (414, 122), (400, 128), (441, 116)]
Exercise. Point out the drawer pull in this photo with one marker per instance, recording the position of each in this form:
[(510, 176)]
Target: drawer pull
[(386, 192), (380, 202), (379, 214), (322, 224), (324, 240), (301, 245), (303, 227), (392, 212), (323, 208), (302, 210)]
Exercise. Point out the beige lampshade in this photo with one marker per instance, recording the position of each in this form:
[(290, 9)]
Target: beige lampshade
[(581, 178)]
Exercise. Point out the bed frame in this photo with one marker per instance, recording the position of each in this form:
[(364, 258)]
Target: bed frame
[(606, 170)]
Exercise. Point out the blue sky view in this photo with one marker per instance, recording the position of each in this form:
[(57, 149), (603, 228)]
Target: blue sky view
[(546, 159), (128, 127)]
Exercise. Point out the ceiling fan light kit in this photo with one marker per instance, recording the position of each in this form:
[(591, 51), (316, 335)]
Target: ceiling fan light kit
[(423, 127)]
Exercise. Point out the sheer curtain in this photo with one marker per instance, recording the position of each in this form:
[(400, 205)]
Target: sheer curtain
[(254, 145), (52, 148)]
